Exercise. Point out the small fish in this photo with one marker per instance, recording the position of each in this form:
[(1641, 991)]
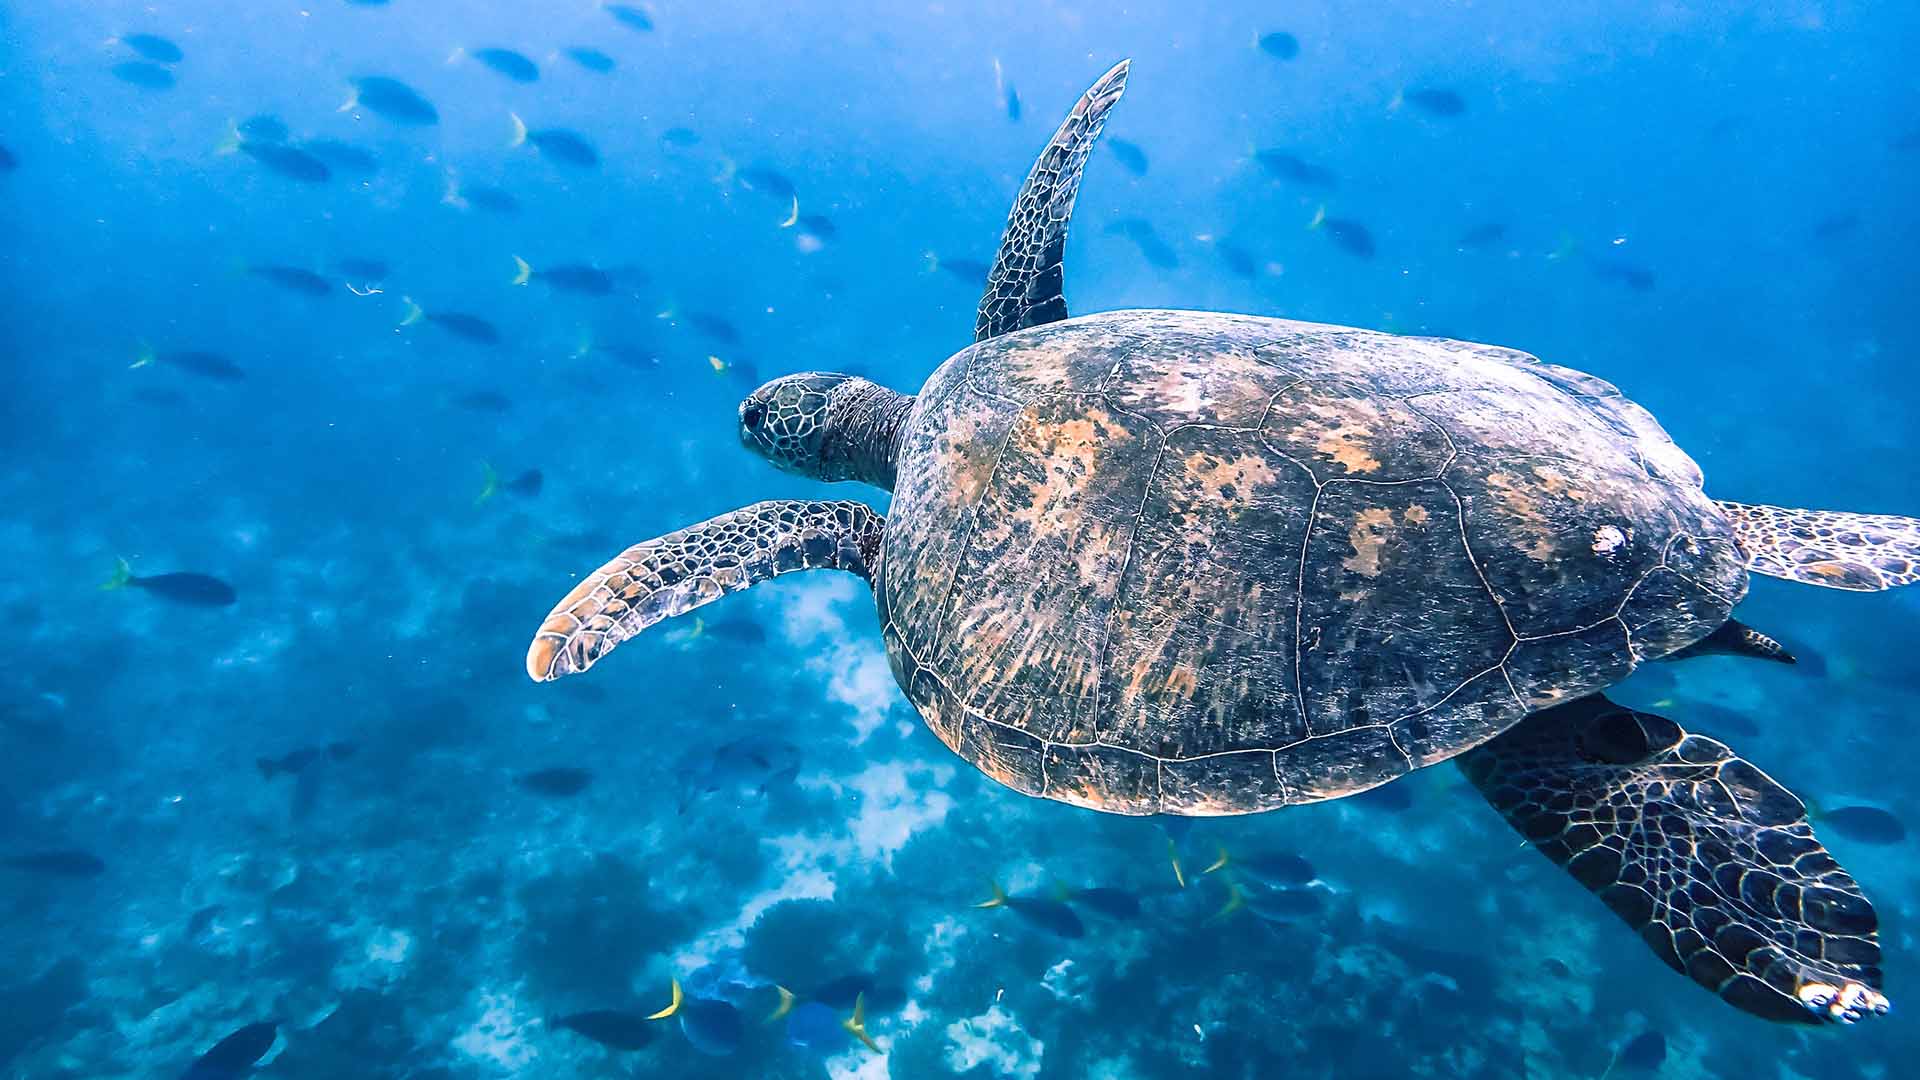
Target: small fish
[(680, 137), (1637, 278), (153, 47), (207, 365), (1279, 44), (526, 485), (293, 279), (633, 356), (1482, 236), (509, 63), (611, 1028), (1835, 227), (575, 278), (182, 587), (767, 181), (485, 196), (1644, 1053), (1866, 824), (972, 271), (842, 992), (484, 401), (470, 328), (1347, 235), (1295, 169), (1144, 237), (1276, 868), (393, 100), (68, 863), (1013, 104), (159, 395), (1435, 102), (631, 16), (714, 1028), (292, 163), (296, 761), (1130, 156), (560, 782), (263, 127), (201, 922), (290, 763), (818, 225), (754, 762), (743, 631), (8, 162), (1111, 902), (1279, 905), (556, 144), (713, 326), (144, 74), (1052, 916), (1238, 259), (347, 158), (591, 59), (365, 269), (235, 1055), (815, 1026)]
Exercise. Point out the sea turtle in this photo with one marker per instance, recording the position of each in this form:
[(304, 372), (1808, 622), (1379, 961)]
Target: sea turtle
[(1175, 562)]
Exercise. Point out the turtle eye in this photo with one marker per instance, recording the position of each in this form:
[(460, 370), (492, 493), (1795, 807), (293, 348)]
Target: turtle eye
[(752, 415)]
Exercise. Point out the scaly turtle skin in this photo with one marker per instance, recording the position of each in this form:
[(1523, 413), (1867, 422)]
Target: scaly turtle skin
[(1181, 562), (1198, 564)]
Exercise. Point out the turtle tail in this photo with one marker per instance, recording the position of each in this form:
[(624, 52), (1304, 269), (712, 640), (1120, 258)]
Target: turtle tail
[(1832, 548)]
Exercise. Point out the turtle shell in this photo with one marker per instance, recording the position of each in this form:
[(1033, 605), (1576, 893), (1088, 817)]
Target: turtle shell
[(1190, 563)]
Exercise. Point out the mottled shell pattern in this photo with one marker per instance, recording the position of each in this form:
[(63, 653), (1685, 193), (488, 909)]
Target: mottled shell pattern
[(1194, 563)]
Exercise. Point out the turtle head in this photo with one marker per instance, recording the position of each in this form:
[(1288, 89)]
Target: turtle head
[(826, 426)]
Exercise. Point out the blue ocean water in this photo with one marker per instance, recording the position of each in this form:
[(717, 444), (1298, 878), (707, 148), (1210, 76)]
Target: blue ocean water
[(337, 805)]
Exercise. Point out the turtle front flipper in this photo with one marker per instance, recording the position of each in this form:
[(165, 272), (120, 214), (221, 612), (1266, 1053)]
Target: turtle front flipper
[(1834, 548), (673, 574), (1710, 859), (1025, 287)]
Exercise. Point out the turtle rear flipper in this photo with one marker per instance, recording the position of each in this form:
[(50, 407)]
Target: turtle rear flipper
[(1710, 859), (1834, 548), (673, 574)]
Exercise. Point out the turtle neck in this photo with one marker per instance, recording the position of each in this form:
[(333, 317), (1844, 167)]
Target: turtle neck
[(863, 440)]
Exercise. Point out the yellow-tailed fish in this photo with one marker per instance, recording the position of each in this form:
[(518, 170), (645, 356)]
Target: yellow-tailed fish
[(1235, 901), (519, 130), (122, 573), (672, 1006), (793, 216), (522, 272), (414, 312), (856, 1024), (999, 898), (785, 1006), (489, 484), (1219, 863)]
